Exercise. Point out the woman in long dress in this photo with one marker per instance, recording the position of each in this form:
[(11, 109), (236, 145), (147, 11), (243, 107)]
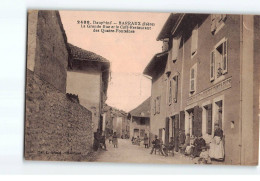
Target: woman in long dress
[(216, 150), (115, 140)]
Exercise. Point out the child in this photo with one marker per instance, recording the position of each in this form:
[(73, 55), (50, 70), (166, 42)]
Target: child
[(115, 141), (204, 156)]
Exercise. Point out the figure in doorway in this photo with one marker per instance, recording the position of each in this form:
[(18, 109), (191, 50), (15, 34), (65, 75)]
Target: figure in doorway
[(216, 146)]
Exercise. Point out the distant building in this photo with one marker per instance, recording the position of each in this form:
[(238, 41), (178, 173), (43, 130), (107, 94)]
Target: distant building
[(115, 120), (140, 119), (87, 76), (208, 73)]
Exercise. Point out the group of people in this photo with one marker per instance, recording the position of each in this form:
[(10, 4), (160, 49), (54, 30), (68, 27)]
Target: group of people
[(113, 138), (138, 140), (100, 140), (193, 146)]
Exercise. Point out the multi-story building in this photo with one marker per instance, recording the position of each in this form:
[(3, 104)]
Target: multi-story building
[(140, 119), (208, 73), (87, 76)]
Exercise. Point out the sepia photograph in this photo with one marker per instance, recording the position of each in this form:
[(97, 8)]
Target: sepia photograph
[(142, 87)]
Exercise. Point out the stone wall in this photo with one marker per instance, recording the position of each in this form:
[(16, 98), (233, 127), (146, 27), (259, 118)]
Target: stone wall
[(51, 56), (55, 127)]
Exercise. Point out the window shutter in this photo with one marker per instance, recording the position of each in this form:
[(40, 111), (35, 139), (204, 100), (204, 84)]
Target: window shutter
[(175, 89), (197, 121), (175, 48), (213, 23), (212, 65), (209, 116), (170, 92), (192, 81), (194, 40), (182, 120), (176, 132), (154, 106), (167, 135), (225, 58), (158, 104)]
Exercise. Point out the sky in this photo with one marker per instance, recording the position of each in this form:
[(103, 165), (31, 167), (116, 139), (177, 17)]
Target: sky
[(128, 53)]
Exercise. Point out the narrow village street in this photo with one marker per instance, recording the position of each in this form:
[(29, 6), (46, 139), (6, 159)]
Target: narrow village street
[(127, 152)]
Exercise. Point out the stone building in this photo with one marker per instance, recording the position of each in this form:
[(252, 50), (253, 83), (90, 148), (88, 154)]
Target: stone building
[(140, 119), (87, 76), (208, 73), (57, 127)]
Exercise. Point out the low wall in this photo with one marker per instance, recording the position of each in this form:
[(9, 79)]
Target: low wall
[(55, 127)]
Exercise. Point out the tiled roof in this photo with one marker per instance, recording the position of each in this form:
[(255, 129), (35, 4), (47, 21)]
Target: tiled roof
[(81, 54), (143, 110)]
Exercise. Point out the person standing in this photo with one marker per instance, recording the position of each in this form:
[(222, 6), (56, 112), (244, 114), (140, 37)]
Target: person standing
[(115, 140), (216, 150), (145, 141), (97, 138)]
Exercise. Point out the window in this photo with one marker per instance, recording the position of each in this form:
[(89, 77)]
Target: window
[(193, 75), (158, 100), (194, 41), (208, 119), (175, 88), (142, 121), (219, 60), (154, 106), (193, 78), (170, 92), (217, 22)]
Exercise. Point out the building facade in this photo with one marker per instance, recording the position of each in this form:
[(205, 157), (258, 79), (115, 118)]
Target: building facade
[(140, 120), (208, 73), (87, 76), (57, 127)]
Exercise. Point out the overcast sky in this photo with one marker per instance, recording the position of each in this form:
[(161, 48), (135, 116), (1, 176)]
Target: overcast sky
[(129, 53)]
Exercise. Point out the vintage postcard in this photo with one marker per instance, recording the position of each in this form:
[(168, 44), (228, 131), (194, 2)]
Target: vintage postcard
[(133, 87)]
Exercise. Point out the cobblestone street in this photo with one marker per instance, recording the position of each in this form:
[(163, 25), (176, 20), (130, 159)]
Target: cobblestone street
[(126, 152)]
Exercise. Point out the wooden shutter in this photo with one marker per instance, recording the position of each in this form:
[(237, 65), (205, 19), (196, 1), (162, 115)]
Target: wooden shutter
[(192, 80), (212, 65), (167, 131), (209, 119), (160, 134), (225, 58), (182, 120), (170, 92), (154, 106), (176, 132), (197, 121), (175, 94), (213, 23), (158, 102)]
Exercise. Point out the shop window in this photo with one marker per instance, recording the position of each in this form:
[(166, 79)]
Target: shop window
[(217, 22), (194, 41), (219, 60)]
